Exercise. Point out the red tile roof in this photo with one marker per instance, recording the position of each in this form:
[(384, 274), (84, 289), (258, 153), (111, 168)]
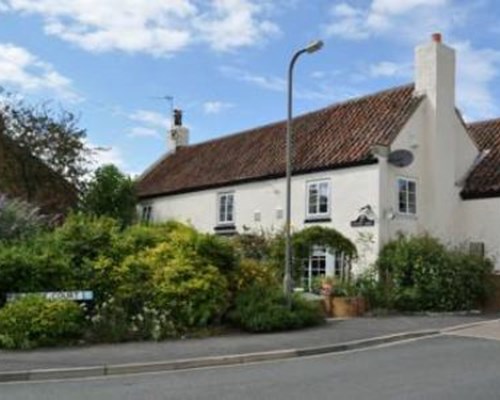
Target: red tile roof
[(338, 136), (484, 181)]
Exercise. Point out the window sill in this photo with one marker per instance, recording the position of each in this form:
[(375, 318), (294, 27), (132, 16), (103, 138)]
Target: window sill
[(312, 220), (225, 229), (403, 216)]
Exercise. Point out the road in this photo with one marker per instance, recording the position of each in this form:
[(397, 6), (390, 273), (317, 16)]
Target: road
[(465, 365)]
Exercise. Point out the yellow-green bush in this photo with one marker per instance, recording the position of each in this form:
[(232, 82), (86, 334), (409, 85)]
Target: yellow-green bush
[(33, 321), (174, 277), (251, 271)]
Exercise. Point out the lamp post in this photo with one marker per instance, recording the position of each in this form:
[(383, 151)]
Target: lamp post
[(287, 280)]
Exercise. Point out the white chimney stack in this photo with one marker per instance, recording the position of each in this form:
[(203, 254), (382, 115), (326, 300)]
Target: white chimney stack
[(435, 72), (178, 134)]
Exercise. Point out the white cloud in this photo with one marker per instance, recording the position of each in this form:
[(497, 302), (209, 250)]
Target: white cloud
[(476, 71), (215, 107), (266, 82), (110, 155), (323, 92), (407, 20), (390, 69), (151, 118), (26, 72), (157, 27), (144, 132), (234, 23)]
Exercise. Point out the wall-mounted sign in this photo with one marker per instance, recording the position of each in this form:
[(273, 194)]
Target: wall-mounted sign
[(366, 217), (400, 158)]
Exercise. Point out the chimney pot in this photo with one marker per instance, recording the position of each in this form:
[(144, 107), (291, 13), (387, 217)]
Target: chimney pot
[(177, 117), (437, 37)]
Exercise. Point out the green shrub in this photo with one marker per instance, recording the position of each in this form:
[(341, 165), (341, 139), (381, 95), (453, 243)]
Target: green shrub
[(33, 321), (33, 266), (84, 239), (264, 309), (253, 246), (373, 289), (419, 274), (250, 272)]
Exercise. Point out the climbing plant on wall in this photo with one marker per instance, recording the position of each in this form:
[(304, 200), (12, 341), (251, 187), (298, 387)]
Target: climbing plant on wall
[(305, 240)]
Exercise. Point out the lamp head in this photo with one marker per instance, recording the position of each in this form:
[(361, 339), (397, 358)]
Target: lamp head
[(314, 46)]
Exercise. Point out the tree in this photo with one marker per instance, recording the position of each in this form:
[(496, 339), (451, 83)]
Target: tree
[(110, 193), (49, 134)]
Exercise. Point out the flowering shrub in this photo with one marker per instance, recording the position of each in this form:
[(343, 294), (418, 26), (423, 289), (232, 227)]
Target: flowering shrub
[(109, 322), (152, 323)]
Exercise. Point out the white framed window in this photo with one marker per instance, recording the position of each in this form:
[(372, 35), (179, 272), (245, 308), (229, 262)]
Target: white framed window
[(147, 213), (314, 267), (324, 262), (225, 208), (407, 196), (318, 199)]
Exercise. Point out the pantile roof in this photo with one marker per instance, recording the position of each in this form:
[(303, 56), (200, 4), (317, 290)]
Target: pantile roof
[(338, 136), (484, 180)]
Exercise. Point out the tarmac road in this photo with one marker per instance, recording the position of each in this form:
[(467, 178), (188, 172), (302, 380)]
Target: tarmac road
[(464, 365)]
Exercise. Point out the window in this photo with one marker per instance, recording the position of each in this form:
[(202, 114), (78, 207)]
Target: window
[(324, 262), (314, 267), (318, 198), (407, 196), (225, 214), (147, 212)]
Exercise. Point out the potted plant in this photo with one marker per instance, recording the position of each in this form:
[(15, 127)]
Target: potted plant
[(346, 300)]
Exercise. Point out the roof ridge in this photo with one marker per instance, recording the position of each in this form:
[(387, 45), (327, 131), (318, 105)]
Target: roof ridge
[(328, 107)]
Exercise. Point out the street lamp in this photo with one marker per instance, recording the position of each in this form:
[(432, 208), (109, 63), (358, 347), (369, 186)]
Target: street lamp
[(287, 281)]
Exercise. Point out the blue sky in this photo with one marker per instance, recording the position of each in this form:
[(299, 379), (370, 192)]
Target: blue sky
[(224, 61)]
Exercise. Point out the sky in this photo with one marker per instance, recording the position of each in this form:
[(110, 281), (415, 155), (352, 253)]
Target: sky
[(118, 63)]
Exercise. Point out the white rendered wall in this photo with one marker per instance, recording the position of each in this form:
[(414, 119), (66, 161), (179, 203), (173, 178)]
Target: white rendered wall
[(480, 222), (442, 148), (351, 189)]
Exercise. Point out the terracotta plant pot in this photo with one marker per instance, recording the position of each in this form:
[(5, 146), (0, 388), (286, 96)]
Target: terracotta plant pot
[(348, 306), (328, 306)]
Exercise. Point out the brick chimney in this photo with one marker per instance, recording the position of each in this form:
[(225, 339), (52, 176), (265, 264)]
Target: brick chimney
[(178, 134)]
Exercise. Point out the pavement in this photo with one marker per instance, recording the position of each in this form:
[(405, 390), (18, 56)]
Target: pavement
[(335, 336)]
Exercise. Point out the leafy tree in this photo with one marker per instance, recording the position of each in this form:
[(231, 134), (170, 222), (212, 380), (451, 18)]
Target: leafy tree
[(111, 194), (49, 134)]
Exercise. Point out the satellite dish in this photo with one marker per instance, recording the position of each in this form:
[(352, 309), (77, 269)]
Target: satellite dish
[(400, 158)]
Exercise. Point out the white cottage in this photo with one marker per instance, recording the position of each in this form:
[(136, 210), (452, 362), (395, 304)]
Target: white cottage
[(401, 160)]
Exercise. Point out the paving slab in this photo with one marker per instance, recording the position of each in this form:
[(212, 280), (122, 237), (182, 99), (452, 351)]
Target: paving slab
[(490, 330)]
